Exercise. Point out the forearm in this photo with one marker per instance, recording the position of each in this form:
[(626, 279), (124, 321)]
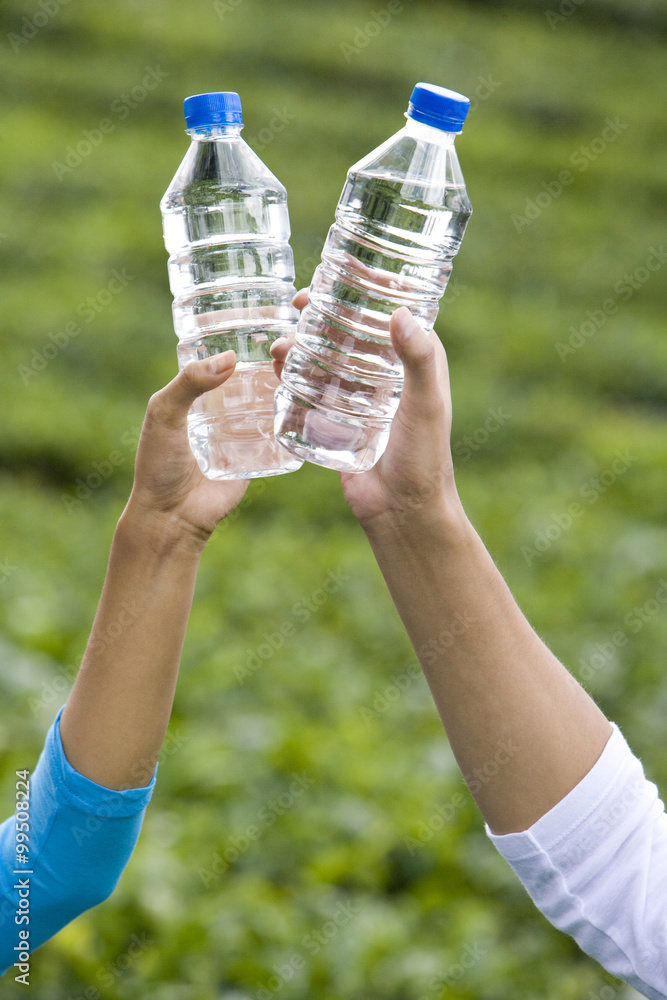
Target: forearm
[(523, 731), (116, 716)]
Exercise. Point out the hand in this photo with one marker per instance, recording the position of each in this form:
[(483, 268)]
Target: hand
[(413, 481), (168, 483)]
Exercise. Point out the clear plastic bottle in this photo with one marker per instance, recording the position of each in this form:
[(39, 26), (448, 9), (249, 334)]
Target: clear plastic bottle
[(231, 272), (399, 222)]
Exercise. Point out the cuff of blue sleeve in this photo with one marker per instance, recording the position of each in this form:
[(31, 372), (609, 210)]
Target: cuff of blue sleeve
[(85, 794), (572, 810)]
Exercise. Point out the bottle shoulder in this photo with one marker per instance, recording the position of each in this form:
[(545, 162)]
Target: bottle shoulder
[(415, 161), (224, 168)]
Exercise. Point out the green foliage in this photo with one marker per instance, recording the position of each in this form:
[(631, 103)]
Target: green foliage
[(333, 890)]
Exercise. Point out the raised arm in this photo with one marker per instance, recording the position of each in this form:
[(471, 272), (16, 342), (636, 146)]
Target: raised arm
[(96, 772), (116, 716), (523, 731)]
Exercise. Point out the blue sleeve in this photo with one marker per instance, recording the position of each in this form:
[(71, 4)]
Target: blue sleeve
[(81, 838)]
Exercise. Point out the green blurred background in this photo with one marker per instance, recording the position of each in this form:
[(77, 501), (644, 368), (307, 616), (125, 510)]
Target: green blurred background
[(333, 888)]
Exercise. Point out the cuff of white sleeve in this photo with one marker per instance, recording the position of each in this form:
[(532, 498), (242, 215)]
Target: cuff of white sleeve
[(584, 799)]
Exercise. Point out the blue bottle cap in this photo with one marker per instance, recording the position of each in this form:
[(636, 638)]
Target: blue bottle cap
[(443, 109), (222, 107)]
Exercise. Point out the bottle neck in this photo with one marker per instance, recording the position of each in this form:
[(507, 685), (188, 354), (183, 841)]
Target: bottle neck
[(208, 133), (430, 133)]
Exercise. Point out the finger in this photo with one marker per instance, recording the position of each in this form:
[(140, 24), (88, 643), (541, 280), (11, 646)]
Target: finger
[(301, 298), (280, 347), (170, 405), (278, 367), (279, 350)]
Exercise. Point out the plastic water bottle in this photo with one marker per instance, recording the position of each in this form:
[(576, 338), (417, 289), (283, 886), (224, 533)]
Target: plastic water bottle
[(231, 272), (399, 222)]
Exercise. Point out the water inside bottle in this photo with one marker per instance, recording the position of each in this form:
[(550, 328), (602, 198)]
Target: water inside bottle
[(231, 428)]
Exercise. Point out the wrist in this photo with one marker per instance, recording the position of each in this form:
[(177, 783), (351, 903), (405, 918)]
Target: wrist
[(163, 533), (442, 520)]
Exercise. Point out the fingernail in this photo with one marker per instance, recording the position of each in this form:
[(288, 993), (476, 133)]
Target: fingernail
[(219, 362), (278, 343)]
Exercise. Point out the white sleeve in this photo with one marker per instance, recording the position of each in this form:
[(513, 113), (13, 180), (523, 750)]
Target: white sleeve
[(596, 865)]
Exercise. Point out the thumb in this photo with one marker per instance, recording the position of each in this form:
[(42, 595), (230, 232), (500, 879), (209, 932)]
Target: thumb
[(422, 387), (170, 405)]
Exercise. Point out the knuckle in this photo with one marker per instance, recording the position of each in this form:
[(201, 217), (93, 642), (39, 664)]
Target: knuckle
[(189, 374), (155, 405), (158, 410)]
